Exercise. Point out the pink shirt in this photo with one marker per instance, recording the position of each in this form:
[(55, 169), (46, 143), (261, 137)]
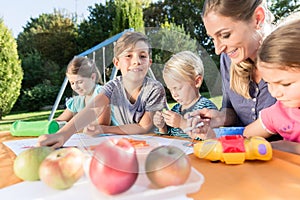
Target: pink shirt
[(282, 120)]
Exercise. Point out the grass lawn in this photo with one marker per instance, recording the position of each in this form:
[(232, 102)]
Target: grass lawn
[(6, 122)]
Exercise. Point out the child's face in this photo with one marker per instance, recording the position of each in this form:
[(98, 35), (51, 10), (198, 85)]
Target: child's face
[(134, 63), (81, 85), (284, 85), (183, 92)]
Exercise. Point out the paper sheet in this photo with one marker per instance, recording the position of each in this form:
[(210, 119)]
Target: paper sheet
[(82, 140)]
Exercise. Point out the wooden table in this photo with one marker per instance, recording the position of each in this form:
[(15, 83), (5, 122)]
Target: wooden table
[(276, 179)]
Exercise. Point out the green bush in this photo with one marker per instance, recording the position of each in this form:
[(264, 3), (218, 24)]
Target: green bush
[(37, 97), (11, 73)]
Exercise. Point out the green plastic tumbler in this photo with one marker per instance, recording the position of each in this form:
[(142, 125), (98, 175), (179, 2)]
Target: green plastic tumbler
[(33, 128)]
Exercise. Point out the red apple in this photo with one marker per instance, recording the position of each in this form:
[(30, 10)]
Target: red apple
[(27, 163), (62, 168), (114, 166), (167, 165)]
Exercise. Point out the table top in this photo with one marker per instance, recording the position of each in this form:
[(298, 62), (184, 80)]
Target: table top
[(278, 178)]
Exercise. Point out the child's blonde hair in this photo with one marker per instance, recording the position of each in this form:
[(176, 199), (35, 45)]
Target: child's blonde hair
[(282, 47), (184, 66), (128, 41), (84, 67)]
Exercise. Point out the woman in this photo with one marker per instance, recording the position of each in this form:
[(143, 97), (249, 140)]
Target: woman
[(237, 32)]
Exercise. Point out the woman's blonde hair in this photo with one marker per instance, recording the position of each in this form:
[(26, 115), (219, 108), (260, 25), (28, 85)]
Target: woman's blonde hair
[(84, 67), (240, 10), (184, 66)]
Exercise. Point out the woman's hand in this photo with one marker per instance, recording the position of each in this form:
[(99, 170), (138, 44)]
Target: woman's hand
[(224, 117), (199, 128)]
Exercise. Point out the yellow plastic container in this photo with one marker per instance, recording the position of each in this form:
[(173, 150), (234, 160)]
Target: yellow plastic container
[(234, 149)]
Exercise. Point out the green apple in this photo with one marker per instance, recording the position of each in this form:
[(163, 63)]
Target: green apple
[(167, 166), (26, 165)]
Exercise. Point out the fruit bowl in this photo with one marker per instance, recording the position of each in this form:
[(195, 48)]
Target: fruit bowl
[(143, 189)]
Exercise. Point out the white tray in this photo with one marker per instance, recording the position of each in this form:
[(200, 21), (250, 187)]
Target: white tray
[(143, 190)]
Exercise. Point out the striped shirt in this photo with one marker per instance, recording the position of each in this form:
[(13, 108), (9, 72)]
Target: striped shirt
[(201, 103)]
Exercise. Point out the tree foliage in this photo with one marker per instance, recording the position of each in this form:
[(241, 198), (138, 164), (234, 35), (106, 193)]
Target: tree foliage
[(11, 73), (37, 70), (283, 8), (129, 14), (51, 35), (45, 47), (98, 26), (186, 13)]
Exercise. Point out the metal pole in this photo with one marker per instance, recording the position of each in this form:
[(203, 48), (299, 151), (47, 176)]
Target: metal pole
[(103, 56), (58, 98)]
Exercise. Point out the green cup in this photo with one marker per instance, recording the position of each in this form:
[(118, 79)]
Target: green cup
[(33, 128)]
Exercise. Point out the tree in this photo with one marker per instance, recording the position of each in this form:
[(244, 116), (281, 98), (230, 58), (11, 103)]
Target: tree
[(186, 13), (35, 67), (11, 73), (283, 8), (51, 35), (45, 47), (129, 14), (98, 26)]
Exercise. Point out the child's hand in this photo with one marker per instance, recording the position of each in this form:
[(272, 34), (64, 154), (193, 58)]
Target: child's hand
[(93, 129), (52, 140), (158, 120), (173, 119)]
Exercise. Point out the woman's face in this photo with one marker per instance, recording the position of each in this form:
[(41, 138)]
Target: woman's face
[(238, 39)]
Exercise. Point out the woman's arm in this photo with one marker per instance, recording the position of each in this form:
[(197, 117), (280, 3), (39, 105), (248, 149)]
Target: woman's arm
[(224, 117)]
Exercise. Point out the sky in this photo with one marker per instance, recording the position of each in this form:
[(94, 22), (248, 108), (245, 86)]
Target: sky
[(16, 13)]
